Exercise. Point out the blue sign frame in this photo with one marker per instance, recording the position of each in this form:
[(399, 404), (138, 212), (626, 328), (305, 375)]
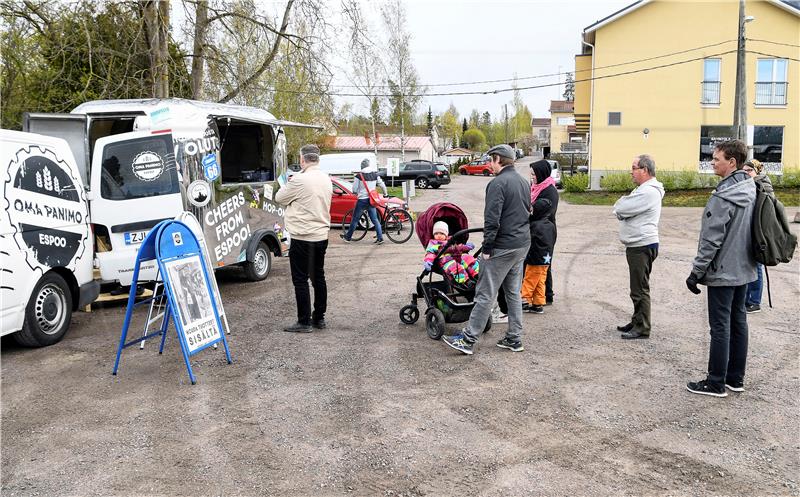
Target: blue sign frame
[(173, 245)]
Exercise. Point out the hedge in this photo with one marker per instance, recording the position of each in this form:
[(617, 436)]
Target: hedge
[(575, 183), (687, 180)]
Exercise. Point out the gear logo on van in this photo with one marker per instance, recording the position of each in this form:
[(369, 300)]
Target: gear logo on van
[(47, 209), (147, 166)]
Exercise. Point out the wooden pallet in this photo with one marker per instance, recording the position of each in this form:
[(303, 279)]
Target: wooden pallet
[(108, 299)]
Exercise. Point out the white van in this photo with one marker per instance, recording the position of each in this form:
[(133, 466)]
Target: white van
[(45, 239), (346, 164), (150, 160)]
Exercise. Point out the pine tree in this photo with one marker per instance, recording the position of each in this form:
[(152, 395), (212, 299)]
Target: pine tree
[(569, 88), (430, 122)]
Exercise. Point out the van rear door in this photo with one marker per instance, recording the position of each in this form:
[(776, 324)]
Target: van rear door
[(70, 127), (135, 185)]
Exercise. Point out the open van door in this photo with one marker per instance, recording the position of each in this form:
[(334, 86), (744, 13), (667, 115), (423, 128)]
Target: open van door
[(70, 127), (135, 185)]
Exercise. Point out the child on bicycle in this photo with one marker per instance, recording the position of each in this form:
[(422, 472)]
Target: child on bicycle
[(456, 261)]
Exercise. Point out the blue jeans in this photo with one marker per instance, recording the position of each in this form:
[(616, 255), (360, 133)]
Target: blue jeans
[(754, 288), (361, 204)]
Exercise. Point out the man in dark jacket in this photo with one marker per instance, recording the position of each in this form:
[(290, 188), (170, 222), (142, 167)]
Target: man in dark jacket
[(725, 264), (506, 238)]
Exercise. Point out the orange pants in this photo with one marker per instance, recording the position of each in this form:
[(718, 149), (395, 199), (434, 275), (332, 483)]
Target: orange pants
[(533, 284)]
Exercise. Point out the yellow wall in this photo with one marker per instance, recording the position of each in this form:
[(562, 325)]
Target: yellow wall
[(667, 101), (558, 133)]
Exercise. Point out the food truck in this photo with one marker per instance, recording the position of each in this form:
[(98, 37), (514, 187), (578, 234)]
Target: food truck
[(144, 161)]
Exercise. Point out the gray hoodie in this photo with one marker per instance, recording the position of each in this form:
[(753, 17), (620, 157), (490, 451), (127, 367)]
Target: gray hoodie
[(724, 251), (639, 214)]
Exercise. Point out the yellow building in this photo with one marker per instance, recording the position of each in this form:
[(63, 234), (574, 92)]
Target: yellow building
[(659, 77)]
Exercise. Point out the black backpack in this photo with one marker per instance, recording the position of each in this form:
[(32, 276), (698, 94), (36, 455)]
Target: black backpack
[(773, 242)]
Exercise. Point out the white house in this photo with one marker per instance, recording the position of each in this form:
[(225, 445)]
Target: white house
[(416, 147)]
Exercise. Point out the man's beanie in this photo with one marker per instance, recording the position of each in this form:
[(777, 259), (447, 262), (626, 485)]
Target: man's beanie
[(364, 163), (441, 227), (503, 151), (541, 168)]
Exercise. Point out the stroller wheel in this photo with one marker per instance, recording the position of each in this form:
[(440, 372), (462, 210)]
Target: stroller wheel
[(409, 314), (434, 323)]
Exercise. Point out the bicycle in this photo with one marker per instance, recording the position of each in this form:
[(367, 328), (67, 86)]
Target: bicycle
[(397, 224)]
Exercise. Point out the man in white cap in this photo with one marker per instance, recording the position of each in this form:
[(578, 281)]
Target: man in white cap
[(506, 239)]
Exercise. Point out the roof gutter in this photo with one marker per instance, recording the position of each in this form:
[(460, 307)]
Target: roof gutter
[(591, 113)]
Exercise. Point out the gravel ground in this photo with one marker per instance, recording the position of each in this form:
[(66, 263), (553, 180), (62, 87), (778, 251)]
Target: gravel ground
[(374, 407)]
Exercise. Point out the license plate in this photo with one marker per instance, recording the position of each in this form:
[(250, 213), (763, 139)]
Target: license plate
[(134, 237)]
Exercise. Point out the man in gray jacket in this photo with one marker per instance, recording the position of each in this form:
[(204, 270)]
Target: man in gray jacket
[(725, 264), (639, 214), (506, 238)]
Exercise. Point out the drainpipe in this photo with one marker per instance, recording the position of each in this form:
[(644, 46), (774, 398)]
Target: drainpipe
[(591, 116)]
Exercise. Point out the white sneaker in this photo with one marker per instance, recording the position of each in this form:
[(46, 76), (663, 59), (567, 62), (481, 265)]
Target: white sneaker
[(500, 318)]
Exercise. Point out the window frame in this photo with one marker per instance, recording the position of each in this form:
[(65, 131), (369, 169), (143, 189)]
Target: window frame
[(619, 116)]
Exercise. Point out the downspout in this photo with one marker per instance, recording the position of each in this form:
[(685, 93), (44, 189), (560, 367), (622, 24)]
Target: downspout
[(591, 115)]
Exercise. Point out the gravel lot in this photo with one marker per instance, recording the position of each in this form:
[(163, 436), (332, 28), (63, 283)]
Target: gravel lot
[(373, 407)]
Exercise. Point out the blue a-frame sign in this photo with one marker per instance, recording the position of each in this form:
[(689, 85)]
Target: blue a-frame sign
[(190, 305)]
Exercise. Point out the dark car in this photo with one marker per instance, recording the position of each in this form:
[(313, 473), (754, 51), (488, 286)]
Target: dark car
[(424, 174)]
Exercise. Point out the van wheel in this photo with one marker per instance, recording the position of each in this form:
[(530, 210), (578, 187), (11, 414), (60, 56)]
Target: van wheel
[(258, 268), (48, 313)]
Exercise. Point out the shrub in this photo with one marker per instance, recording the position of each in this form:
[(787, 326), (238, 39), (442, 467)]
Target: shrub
[(789, 179), (617, 182), (575, 183), (566, 159)]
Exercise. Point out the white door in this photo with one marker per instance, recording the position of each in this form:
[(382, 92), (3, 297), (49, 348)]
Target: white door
[(135, 184)]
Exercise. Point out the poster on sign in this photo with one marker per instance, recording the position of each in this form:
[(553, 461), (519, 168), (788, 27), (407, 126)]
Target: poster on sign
[(194, 302)]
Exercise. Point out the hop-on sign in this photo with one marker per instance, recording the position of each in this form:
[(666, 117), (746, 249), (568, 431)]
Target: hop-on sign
[(190, 299)]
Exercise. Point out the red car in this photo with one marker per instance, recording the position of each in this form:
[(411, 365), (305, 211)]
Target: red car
[(344, 200), (480, 166)]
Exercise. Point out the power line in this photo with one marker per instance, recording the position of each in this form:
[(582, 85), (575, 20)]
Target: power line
[(555, 74), (774, 42), (532, 87), (504, 90)]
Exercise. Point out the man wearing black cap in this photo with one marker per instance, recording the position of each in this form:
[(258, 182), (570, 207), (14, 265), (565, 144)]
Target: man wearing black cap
[(506, 237)]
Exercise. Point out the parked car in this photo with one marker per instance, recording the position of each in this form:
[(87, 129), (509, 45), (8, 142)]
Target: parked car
[(344, 200), (481, 166), (424, 174), (556, 172)]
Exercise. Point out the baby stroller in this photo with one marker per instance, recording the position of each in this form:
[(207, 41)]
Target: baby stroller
[(446, 301)]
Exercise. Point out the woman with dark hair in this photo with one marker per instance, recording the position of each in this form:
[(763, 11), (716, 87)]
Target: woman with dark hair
[(544, 202)]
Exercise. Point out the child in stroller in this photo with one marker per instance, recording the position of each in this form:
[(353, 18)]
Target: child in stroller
[(456, 262), (446, 300)]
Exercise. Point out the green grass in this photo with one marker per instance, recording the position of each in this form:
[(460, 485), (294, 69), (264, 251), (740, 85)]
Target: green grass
[(678, 198), (397, 191)]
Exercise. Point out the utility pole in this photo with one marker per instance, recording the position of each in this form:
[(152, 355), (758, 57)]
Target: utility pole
[(505, 112), (740, 97)]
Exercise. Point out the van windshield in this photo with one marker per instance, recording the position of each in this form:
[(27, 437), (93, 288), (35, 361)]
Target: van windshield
[(139, 168)]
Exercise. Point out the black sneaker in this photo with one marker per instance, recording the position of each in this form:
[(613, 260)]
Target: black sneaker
[(460, 343), (628, 327), (298, 327), (505, 343), (735, 386), (346, 240), (536, 309), (703, 388), (752, 308), (319, 324), (378, 242)]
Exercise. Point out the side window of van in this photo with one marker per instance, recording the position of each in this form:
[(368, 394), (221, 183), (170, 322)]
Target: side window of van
[(139, 168), (246, 152)]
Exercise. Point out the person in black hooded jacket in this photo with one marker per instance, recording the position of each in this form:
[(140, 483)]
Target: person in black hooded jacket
[(544, 200)]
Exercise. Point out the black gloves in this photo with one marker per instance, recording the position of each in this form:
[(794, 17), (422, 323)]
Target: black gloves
[(691, 284)]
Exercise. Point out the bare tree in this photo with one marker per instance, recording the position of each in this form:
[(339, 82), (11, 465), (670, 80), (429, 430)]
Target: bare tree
[(367, 69), (155, 14)]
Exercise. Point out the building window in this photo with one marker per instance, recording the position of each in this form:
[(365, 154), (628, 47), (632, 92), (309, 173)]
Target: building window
[(711, 83), (614, 118), (543, 134), (771, 81), (565, 121)]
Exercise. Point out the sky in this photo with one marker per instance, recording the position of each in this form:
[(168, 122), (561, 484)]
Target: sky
[(466, 41)]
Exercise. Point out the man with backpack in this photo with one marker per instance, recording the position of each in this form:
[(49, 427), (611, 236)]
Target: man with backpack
[(725, 263)]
